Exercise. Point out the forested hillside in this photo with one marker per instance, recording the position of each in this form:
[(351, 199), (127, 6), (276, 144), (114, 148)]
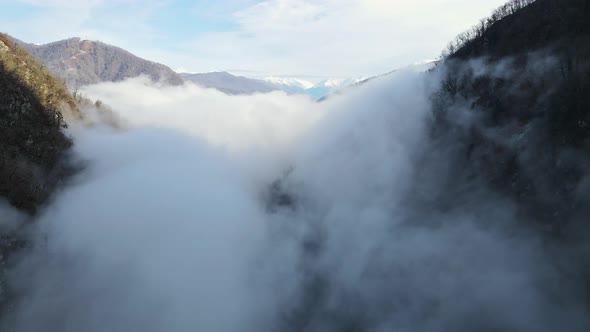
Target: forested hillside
[(33, 106), (525, 79), (521, 26), (514, 105)]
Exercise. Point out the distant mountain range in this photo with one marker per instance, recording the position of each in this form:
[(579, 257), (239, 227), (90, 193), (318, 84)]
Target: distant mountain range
[(230, 84), (317, 90), (235, 85), (82, 62)]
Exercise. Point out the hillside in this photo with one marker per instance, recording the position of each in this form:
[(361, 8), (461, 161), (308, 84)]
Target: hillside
[(229, 84), (532, 102), (82, 62), (33, 106), (524, 25), (513, 116)]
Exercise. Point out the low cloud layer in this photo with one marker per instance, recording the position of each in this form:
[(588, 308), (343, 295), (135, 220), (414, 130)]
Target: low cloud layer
[(275, 213), (234, 122)]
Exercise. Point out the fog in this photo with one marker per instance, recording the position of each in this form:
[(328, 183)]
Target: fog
[(233, 122), (272, 212)]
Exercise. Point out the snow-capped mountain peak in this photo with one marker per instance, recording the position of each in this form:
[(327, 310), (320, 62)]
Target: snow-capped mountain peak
[(335, 83), (291, 82)]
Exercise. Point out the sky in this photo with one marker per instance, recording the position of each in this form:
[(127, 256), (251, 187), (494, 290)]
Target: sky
[(256, 38)]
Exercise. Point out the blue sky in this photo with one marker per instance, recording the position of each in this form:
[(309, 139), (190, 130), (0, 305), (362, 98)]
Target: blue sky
[(306, 38)]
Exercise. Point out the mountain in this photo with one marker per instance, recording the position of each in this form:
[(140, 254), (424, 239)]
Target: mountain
[(513, 112), (82, 62), (326, 87), (481, 225), (230, 84), (239, 85), (515, 94), (33, 146), (316, 90), (332, 87), (289, 84), (525, 25)]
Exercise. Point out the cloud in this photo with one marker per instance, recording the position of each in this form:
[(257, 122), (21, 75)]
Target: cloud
[(337, 38), (128, 257), (234, 122), (327, 226), (63, 3), (274, 37), (47, 21), (284, 14), (11, 217)]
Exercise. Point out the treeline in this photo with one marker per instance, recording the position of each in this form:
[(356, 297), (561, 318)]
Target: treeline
[(478, 30)]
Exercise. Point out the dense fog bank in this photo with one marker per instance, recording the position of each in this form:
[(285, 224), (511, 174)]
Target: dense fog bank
[(274, 213)]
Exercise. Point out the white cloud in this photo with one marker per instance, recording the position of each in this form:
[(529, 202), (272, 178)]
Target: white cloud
[(63, 3), (164, 231), (270, 120), (338, 38), (279, 15), (105, 20)]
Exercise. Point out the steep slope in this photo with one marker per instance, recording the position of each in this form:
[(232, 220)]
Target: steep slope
[(82, 62), (33, 106), (513, 115), (229, 84), (530, 94), (34, 151), (524, 25)]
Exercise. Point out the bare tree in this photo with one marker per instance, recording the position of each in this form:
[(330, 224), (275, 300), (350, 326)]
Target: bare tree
[(479, 30)]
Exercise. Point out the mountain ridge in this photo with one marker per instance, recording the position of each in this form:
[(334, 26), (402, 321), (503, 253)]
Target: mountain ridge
[(82, 62), (229, 83)]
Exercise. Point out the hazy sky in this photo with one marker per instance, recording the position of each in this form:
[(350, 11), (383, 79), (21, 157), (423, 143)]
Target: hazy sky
[(323, 38)]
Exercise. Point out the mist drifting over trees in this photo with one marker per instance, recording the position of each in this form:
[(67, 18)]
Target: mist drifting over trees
[(449, 200)]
